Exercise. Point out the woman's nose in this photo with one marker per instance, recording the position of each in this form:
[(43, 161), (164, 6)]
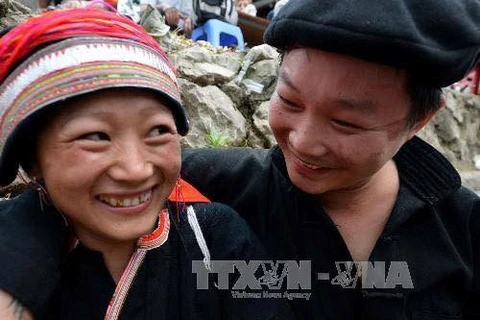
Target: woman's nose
[(132, 164)]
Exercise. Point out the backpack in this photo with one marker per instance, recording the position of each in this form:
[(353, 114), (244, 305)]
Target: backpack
[(223, 10)]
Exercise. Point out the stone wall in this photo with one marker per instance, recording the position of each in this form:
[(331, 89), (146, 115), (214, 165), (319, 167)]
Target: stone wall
[(226, 93), (13, 12)]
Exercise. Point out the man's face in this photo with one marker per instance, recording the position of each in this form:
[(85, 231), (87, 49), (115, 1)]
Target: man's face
[(337, 119), (242, 4)]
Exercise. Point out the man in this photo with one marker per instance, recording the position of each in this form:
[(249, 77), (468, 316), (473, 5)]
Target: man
[(349, 181), (178, 13), (246, 6), (381, 216)]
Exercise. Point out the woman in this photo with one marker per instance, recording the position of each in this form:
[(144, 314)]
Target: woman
[(91, 111)]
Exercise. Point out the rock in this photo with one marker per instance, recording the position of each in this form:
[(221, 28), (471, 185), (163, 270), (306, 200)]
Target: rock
[(261, 126), (236, 94), (226, 94), (265, 74), (193, 54), (210, 110), (196, 65), (229, 60), (212, 74), (262, 52), (13, 12), (154, 23), (455, 130), (471, 180), (476, 161)]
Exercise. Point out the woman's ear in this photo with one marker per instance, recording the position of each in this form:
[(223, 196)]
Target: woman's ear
[(419, 125), (34, 171)]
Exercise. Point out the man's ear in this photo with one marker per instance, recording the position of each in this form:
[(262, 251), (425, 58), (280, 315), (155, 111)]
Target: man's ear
[(426, 119)]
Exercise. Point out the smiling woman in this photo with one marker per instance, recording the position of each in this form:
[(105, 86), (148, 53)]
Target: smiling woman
[(91, 112)]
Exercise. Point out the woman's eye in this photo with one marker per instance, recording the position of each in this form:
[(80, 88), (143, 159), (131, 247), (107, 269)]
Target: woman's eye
[(158, 130), (95, 136)]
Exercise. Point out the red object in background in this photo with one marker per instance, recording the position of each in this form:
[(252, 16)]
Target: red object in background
[(112, 3), (471, 82)]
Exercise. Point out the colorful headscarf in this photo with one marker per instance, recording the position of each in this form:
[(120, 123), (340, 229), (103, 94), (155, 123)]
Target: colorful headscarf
[(65, 53)]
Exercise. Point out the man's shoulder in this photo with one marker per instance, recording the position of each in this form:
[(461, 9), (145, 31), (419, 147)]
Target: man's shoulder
[(426, 171), (225, 154), (229, 162), (27, 200), (225, 232), (215, 214), (463, 201)]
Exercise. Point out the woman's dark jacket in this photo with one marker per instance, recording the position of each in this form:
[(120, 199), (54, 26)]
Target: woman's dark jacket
[(33, 254)]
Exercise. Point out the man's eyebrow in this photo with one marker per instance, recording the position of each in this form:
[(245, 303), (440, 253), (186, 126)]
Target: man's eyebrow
[(285, 78), (364, 106)]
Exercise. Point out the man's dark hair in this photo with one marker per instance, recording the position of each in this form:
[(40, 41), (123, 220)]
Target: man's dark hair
[(425, 99)]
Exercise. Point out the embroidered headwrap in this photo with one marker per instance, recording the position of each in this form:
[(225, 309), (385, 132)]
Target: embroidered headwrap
[(65, 53)]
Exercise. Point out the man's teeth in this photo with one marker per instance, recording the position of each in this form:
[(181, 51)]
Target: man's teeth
[(311, 166), (127, 202)]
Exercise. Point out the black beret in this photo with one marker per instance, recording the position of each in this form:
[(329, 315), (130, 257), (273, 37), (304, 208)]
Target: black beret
[(436, 40)]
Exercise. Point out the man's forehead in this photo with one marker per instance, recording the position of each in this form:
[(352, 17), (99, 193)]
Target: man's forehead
[(400, 33), (306, 58)]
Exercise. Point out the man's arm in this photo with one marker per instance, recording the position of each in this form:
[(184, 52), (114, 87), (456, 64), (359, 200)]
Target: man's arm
[(472, 308), (32, 246), (12, 309)]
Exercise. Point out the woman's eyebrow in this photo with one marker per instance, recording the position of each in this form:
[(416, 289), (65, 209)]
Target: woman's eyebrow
[(67, 117)]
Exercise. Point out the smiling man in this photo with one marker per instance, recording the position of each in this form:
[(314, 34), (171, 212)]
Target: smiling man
[(380, 215)]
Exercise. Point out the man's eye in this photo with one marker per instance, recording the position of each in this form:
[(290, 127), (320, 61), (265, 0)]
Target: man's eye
[(345, 124), (95, 136), (286, 101), (157, 131)]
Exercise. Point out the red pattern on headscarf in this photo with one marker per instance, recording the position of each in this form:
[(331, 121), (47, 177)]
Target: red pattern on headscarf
[(55, 25)]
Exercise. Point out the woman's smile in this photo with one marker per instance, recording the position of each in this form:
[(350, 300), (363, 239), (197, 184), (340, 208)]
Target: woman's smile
[(121, 157), (124, 201)]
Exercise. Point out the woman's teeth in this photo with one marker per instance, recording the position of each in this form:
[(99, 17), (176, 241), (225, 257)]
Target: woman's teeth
[(126, 202)]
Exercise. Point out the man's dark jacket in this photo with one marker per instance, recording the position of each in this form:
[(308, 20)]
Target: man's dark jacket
[(433, 229)]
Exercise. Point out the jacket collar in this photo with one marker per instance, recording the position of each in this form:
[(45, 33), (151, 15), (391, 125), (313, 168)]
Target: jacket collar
[(426, 171)]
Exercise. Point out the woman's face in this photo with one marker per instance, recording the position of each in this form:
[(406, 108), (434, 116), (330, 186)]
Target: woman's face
[(109, 161)]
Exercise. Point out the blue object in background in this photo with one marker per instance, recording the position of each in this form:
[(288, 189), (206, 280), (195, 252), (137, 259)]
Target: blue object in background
[(220, 34)]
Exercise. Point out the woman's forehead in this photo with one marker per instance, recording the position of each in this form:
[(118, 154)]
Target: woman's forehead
[(110, 102)]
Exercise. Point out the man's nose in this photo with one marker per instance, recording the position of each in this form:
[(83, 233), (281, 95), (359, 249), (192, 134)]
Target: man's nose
[(310, 137)]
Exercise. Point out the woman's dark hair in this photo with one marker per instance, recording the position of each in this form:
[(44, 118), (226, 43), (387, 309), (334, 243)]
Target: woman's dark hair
[(27, 140)]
